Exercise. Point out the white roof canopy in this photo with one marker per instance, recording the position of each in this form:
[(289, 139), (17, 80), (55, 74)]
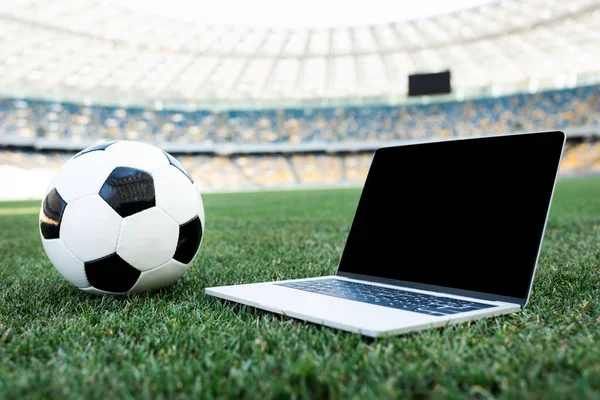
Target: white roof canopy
[(97, 49)]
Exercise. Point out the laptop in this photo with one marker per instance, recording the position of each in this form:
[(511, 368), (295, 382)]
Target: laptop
[(444, 232)]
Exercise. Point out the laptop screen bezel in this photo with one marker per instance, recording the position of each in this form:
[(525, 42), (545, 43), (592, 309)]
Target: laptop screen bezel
[(455, 291)]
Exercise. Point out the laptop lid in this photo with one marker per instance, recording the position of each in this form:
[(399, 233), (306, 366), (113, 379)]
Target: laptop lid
[(463, 217)]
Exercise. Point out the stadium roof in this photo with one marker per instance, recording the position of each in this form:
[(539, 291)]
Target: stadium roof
[(297, 15), (96, 50)]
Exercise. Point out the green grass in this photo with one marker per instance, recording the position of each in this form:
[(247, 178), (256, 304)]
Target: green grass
[(56, 341)]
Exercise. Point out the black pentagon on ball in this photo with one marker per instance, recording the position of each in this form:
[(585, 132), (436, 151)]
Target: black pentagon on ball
[(98, 147), (53, 208), (173, 161), (190, 235), (129, 191), (111, 274)]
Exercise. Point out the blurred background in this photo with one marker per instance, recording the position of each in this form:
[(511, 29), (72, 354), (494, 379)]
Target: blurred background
[(265, 94)]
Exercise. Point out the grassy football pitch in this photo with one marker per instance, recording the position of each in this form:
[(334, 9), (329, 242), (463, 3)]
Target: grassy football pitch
[(56, 341)]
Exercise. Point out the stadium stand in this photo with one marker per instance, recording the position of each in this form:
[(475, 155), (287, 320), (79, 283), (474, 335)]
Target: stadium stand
[(316, 168), (33, 170), (218, 173), (211, 173), (558, 109), (581, 158), (357, 166), (271, 171)]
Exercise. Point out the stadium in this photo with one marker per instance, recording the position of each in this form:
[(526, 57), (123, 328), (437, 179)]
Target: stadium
[(277, 127)]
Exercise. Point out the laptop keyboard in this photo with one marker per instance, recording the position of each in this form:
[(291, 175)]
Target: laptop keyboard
[(387, 297)]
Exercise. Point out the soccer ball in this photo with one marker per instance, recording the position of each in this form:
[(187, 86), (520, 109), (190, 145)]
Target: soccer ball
[(122, 217)]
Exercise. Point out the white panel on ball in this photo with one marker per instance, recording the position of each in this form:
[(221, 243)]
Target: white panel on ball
[(201, 213), (82, 176), (90, 228), (176, 195), (161, 276), (137, 155), (148, 239), (66, 263)]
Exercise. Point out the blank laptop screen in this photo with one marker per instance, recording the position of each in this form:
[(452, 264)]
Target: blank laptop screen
[(463, 214)]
